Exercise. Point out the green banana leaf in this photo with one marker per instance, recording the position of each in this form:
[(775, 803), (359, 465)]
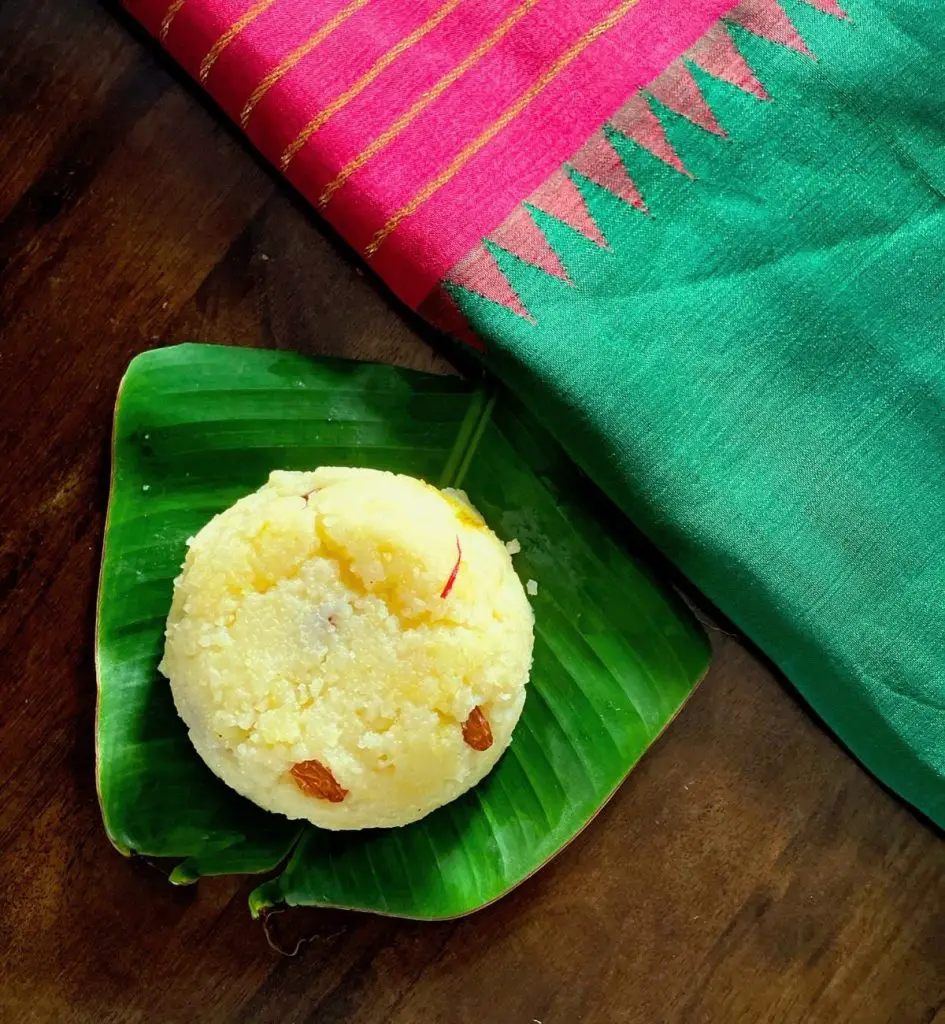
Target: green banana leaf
[(196, 427)]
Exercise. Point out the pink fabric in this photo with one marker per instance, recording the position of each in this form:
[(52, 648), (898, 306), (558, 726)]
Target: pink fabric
[(321, 74), (363, 205), (335, 66), (540, 140), (428, 145), (425, 245)]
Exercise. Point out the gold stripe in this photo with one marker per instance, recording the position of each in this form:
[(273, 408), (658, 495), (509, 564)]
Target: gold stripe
[(365, 80), (424, 101), (289, 62), (230, 34), (467, 153), (169, 17)]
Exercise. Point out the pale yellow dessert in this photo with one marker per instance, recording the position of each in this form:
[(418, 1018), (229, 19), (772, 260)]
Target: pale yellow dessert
[(349, 646)]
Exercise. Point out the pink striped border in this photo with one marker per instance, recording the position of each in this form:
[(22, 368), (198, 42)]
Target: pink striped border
[(425, 245)]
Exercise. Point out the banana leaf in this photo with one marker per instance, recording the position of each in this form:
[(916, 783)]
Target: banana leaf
[(616, 655)]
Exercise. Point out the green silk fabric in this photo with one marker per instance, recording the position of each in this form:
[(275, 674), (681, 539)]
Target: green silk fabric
[(755, 370)]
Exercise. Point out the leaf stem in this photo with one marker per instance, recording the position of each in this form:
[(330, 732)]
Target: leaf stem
[(467, 440)]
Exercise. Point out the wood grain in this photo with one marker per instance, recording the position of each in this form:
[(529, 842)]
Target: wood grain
[(748, 871)]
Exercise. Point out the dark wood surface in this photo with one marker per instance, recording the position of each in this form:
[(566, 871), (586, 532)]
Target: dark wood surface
[(747, 871)]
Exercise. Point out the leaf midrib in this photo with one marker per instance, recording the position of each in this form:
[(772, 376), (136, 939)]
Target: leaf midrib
[(473, 426)]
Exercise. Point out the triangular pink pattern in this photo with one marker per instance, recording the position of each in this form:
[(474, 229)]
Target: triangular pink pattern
[(677, 89), (717, 53), (636, 120), (599, 161), (439, 308), (561, 198), (479, 272), (828, 7), (522, 237), (766, 18)]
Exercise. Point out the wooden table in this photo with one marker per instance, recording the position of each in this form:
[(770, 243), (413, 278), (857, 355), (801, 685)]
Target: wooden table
[(747, 871)]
